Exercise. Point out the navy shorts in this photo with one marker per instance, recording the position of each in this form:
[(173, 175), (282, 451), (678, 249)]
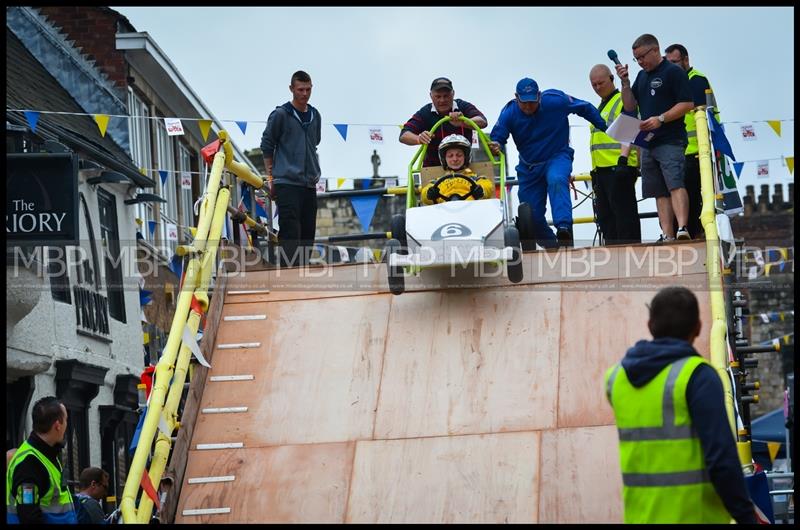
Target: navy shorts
[(662, 170)]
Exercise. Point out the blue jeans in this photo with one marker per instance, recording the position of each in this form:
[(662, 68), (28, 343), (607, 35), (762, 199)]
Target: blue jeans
[(536, 183)]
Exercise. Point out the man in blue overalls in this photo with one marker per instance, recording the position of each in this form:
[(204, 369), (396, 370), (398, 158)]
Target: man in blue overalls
[(538, 123)]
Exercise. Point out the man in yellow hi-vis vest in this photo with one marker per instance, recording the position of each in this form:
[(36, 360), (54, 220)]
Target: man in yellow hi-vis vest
[(614, 168), (677, 452), (36, 488), (698, 82)]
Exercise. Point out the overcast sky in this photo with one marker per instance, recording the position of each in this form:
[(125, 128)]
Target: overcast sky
[(372, 67)]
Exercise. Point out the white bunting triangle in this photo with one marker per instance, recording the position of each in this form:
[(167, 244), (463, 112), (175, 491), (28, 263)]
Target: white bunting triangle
[(190, 341)]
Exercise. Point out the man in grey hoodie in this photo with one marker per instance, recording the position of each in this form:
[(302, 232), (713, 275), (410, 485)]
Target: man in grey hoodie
[(677, 451), (289, 146)]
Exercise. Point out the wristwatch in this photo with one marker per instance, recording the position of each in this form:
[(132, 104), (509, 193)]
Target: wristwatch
[(661, 118)]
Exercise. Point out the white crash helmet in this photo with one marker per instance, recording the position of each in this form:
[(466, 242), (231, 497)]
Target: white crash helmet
[(455, 140)]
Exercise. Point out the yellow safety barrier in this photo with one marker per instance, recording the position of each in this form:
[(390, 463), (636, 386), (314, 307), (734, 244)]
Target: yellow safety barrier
[(172, 369)]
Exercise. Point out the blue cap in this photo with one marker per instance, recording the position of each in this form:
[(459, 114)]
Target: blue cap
[(528, 90)]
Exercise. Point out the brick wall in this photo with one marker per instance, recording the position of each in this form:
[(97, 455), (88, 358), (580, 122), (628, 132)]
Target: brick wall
[(93, 29), (768, 222)]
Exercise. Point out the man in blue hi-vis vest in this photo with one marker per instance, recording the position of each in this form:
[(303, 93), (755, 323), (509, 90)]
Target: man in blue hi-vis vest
[(36, 489)]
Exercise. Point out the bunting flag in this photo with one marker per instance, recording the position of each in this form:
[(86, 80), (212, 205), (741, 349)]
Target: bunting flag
[(342, 128), (138, 431), (242, 126), (339, 183), (790, 164), (773, 448), (776, 126), (777, 340), (148, 488), (163, 177), (191, 343), (376, 135), (365, 209), (33, 118), (174, 126), (145, 297), (737, 166), (718, 136), (748, 132), (772, 316), (151, 225), (205, 127), (762, 169), (102, 122), (176, 265)]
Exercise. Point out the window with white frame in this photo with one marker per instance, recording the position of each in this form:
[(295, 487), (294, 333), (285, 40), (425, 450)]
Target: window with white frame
[(139, 130), (168, 224)]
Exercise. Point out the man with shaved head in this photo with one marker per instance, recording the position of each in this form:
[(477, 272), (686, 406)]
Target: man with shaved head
[(614, 168)]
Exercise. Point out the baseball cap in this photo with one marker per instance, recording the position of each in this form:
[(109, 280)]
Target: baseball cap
[(441, 82), (528, 90)]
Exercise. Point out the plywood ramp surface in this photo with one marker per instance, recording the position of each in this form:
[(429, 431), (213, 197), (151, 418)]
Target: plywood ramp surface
[(477, 404)]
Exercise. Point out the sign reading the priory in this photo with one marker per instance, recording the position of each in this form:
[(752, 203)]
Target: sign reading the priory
[(41, 199)]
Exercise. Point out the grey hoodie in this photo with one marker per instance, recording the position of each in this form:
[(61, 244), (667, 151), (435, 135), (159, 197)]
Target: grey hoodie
[(293, 146)]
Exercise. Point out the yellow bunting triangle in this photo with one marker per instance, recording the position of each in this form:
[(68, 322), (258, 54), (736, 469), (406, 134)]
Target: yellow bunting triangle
[(143, 171), (773, 448), (776, 126), (145, 338), (102, 122), (339, 183), (784, 253), (205, 126), (767, 267), (400, 126), (790, 163), (193, 230)]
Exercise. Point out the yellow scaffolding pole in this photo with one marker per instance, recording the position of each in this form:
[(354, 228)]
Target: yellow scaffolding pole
[(719, 322), (172, 368)]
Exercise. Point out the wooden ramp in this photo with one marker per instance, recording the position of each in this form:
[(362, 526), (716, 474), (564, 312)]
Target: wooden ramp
[(476, 404)]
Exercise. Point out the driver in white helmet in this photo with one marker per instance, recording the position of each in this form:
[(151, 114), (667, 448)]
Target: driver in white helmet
[(455, 155)]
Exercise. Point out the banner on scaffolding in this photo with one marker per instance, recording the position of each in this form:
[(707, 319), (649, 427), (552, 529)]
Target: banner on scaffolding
[(726, 184)]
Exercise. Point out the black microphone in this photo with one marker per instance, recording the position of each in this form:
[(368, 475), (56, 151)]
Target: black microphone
[(613, 56)]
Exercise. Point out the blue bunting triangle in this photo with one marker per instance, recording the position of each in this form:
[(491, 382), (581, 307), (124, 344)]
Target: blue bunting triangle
[(138, 432), (151, 225), (33, 118), (342, 128), (737, 166), (176, 265), (718, 136), (145, 297), (163, 174), (242, 126), (365, 209)]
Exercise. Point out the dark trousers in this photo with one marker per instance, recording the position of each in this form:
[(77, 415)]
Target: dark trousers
[(615, 205), (297, 217)]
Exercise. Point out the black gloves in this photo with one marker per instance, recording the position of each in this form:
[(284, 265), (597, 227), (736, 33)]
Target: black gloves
[(622, 161)]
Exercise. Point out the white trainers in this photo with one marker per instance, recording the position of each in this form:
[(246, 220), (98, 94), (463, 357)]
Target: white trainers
[(664, 238), (683, 234)]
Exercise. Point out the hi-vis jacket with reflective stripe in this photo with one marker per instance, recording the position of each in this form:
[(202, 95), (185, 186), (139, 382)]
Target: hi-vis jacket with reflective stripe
[(55, 503), (688, 119), (664, 474), (606, 150)]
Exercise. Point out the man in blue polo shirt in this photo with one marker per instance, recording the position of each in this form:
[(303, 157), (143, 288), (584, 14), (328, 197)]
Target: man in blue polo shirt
[(538, 123), (662, 92), (416, 130)]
